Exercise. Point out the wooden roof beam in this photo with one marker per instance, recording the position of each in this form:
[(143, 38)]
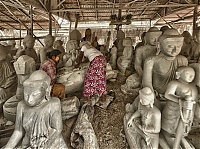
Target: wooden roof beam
[(95, 5), (124, 8), (80, 8)]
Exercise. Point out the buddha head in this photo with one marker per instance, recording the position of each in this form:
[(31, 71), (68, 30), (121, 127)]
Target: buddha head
[(29, 41), (146, 97), (49, 40), (127, 41), (71, 46), (152, 35), (3, 52), (36, 88), (187, 37), (57, 44), (171, 42), (24, 65), (185, 74)]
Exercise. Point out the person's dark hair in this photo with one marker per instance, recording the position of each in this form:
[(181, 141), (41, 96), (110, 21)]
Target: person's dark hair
[(53, 53)]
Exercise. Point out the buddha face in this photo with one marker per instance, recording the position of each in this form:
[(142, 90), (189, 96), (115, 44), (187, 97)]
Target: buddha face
[(145, 101), (171, 46), (30, 43), (34, 95), (151, 39), (187, 75)]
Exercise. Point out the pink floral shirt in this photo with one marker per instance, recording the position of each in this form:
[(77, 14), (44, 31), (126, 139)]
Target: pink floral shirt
[(50, 68)]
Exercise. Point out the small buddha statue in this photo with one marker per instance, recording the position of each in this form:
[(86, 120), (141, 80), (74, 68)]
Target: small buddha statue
[(194, 56), (142, 127), (71, 54), (58, 44), (29, 42), (38, 120), (113, 57), (147, 50), (119, 42), (187, 44), (75, 35), (125, 60), (24, 66), (178, 113), (48, 41), (12, 43), (8, 78)]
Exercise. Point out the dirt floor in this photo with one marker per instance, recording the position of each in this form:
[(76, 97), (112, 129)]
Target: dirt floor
[(108, 124)]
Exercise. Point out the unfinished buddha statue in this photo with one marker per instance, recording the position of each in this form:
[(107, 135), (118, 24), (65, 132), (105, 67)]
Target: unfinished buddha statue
[(119, 42), (187, 44), (125, 60), (24, 66), (149, 49), (195, 54), (38, 121), (142, 127), (75, 35), (178, 114), (113, 57), (8, 78), (48, 41), (159, 70), (71, 54), (12, 43), (58, 44), (29, 50)]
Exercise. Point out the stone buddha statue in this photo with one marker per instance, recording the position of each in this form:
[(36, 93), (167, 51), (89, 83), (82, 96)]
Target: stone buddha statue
[(8, 78), (58, 44), (12, 43), (187, 44), (178, 113), (38, 120), (143, 126), (159, 70), (48, 41), (75, 35), (119, 42), (125, 60), (149, 49), (113, 57), (29, 42), (195, 53), (71, 54), (24, 66)]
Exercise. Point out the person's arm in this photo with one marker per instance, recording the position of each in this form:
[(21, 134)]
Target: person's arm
[(147, 80), (138, 61), (79, 59), (130, 121), (18, 132), (171, 90)]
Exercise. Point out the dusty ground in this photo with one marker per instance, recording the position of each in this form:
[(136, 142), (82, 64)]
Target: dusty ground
[(108, 124)]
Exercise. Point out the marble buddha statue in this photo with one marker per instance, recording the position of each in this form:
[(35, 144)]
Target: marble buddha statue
[(194, 56), (119, 42), (29, 42), (143, 126), (24, 66), (8, 77), (113, 57), (149, 49), (124, 61), (159, 70), (187, 44), (75, 35), (178, 113), (12, 43), (38, 120), (71, 54), (48, 41)]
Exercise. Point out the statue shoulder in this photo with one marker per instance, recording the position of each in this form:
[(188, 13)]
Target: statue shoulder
[(150, 59), (182, 60), (156, 112), (54, 101)]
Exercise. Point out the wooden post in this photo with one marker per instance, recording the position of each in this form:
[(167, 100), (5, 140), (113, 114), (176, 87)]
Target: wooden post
[(50, 18), (31, 19), (195, 14)]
